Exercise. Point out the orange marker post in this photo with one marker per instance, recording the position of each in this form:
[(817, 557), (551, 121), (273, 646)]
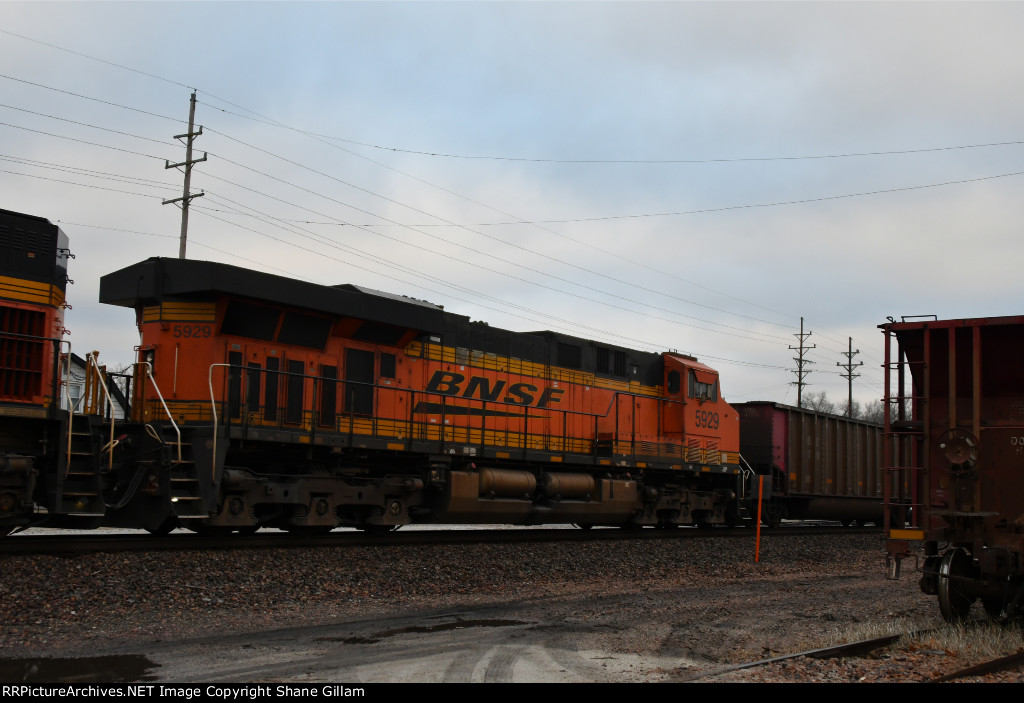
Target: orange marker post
[(757, 541)]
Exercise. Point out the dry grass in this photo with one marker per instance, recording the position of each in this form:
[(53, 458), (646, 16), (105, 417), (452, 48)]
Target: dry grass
[(976, 640), (982, 639)]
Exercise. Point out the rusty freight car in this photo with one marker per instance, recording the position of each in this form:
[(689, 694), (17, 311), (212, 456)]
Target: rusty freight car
[(821, 466), (955, 410)]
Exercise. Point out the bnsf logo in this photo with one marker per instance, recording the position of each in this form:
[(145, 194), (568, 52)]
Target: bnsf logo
[(447, 383)]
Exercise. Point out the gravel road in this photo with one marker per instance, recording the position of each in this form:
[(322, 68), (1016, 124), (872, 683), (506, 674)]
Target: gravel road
[(667, 610)]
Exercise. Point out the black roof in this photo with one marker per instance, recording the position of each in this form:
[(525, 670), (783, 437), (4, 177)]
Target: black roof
[(157, 279)]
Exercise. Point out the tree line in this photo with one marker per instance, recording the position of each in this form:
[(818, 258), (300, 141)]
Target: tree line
[(872, 411)]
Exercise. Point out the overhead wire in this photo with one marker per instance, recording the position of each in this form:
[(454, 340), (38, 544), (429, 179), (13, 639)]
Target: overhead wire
[(664, 161)]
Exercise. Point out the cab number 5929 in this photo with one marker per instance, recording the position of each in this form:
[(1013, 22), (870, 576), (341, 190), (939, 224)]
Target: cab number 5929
[(708, 419), (191, 330)]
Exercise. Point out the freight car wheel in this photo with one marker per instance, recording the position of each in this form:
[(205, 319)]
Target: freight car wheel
[(954, 573)]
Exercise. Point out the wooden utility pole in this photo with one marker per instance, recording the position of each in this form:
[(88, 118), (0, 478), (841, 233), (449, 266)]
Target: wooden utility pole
[(186, 197), (850, 375), (800, 372)]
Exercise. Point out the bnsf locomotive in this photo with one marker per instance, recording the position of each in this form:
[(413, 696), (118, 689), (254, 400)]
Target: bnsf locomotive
[(258, 400), (33, 282)]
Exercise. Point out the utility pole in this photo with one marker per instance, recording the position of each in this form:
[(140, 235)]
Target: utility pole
[(850, 375), (800, 372), (187, 163)]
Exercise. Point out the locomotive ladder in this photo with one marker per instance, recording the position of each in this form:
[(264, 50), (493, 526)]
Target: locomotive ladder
[(77, 490), (183, 486)]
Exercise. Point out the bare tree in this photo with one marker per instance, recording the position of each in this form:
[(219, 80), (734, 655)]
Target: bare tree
[(851, 411), (873, 411), (818, 402)]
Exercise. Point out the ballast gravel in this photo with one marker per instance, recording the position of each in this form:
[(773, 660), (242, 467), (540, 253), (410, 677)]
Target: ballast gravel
[(706, 599)]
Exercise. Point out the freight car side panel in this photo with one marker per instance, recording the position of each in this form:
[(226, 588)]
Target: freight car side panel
[(833, 456), (971, 401), (822, 466)]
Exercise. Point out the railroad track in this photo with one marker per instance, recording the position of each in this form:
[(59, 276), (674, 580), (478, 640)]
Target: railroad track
[(865, 648), (860, 648), (106, 541)]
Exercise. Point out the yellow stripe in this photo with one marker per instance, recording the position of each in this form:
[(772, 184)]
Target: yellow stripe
[(30, 291), (494, 362), (906, 534), (29, 411), (176, 311)]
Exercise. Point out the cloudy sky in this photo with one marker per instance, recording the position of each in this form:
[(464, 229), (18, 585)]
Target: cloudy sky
[(670, 175)]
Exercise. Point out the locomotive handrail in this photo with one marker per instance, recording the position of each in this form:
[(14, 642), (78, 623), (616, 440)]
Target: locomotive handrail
[(444, 401), (65, 359), (92, 365), (177, 430), (213, 408)]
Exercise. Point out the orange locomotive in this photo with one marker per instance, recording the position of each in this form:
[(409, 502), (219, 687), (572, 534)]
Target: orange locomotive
[(262, 400), (33, 280)]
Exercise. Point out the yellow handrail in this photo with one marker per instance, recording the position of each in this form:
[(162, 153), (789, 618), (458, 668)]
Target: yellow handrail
[(93, 367), (149, 373)]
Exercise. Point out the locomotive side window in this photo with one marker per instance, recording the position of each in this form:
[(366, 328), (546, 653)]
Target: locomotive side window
[(295, 383), (673, 382), (387, 365), (328, 395), (706, 389)]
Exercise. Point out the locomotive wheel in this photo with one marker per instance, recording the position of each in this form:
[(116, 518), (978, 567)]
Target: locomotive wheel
[(954, 573)]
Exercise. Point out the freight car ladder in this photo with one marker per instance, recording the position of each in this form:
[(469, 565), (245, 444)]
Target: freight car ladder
[(183, 483), (902, 454), (77, 490)]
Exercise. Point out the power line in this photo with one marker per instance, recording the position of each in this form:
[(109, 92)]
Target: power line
[(801, 361)]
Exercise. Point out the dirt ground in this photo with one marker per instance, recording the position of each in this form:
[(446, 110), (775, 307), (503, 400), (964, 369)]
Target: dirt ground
[(609, 616)]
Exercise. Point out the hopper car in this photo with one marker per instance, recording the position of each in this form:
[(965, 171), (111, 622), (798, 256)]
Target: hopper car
[(817, 466), (955, 414)]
